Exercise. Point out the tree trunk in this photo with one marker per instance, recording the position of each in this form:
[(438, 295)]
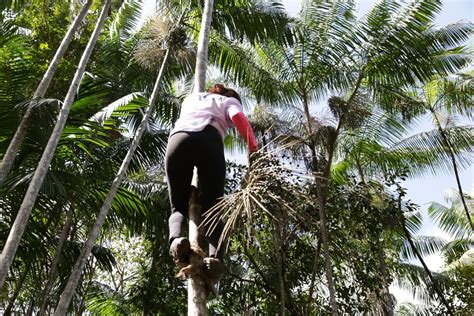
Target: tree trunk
[(325, 243), (320, 191), (31, 307), (54, 265), (81, 261), (20, 133), (387, 302), (313, 277), (422, 261), (455, 167), (21, 220), (278, 235), (197, 292), (203, 44)]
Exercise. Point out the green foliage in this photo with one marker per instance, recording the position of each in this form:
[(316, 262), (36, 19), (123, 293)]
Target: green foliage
[(379, 74)]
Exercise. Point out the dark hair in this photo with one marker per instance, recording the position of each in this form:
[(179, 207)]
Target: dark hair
[(219, 88)]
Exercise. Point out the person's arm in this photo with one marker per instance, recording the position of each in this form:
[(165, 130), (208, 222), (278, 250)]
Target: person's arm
[(245, 130)]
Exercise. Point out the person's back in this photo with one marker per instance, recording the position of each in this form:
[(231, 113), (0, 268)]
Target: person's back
[(197, 141), (201, 109)]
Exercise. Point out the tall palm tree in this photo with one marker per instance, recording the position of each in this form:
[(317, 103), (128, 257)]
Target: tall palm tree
[(21, 220), (69, 290), (15, 143), (197, 292), (391, 47), (453, 95)]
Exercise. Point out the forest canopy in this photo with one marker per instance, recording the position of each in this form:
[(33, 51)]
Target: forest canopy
[(319, 220)]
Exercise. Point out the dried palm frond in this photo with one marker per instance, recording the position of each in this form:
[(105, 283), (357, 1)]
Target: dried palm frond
[(160, 34), (270, 189)]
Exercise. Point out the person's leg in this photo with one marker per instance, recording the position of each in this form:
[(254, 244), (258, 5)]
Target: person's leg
[(179, 172), (211, 173)]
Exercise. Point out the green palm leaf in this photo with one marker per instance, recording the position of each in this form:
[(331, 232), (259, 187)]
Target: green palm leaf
[(125, 20), (426, 245), (451, 220)]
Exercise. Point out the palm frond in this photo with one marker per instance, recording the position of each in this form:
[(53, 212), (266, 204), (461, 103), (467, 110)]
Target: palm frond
[(464, 263), (429, 149), (413, 221), (456, 248), (411, 309), (267, 192), (451, 220), (426, 245), (105, 301), (128, 103), (14, 5), (251, 21), (233, 60), (413, 278), (125, 20)]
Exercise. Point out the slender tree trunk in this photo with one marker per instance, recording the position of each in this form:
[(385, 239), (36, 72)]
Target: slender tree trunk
[(387, 298), (455, 167), (31, 307), (197, 292), (21, 220), (313, 277), (422, 261), (280, 264), (81, 261), (203, 44), (20, 133), (320, 191), (325, 242), (54, 265)]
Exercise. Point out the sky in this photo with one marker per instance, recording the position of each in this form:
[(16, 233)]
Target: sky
[(429, 188)]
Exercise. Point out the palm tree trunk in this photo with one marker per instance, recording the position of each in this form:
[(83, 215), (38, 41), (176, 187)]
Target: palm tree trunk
[(21, 220), (81, 261), (197, 292), (54, 265), (203, 44), (422, 261), (313, 277), (455, 167), (322, 211), (31, 307), (20, 133), (387, 298), (325, 242), (280, 264)]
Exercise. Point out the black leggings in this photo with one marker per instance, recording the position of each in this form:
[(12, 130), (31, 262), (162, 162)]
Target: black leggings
[(186, 150)]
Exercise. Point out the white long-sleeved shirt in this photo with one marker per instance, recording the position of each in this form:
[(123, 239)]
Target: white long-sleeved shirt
[(201, 109)]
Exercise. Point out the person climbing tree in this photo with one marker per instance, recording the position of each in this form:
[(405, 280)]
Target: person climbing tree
[(197, 141)]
